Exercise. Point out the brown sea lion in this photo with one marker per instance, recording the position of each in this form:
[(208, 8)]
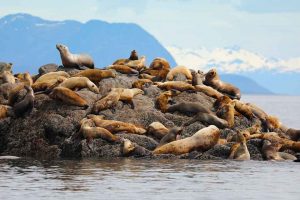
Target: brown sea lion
[(170, 137), (14, 93), (124, 69), (96, 75), (116, 126), (212, 79), (5, 111), (141, 83), (109, 101), (188, 108), (133, 55), (5, 67), (129, 148), (137, 64), (68, 96), (179, 70), (159, 68), (220, 102), (207, 118), (197, 78), (209, 91), (46, 87), (26, 104), (123, 61), (7, 77), (175, 85), (163, 99), (146, 76), (90, 132), (239, 151), (52, 76), (227, 112), (74, 60), (128, 94), (243, 108), (79, 83), (202, 140), (157, 129)]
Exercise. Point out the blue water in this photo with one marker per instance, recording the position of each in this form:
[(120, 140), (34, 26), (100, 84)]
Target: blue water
[(158, 179)]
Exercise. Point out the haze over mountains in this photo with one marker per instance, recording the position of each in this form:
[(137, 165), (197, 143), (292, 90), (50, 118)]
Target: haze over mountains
[(29, 42)]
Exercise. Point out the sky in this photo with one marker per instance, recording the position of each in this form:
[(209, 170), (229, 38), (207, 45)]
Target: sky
[(268, 27)]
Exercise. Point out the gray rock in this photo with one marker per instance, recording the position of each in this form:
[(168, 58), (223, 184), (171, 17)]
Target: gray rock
[(48, 68)]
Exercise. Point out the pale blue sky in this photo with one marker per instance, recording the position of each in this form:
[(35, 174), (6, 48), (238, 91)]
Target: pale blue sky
[(268, 27)]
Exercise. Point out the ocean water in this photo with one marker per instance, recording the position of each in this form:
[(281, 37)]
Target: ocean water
[(158, 179)]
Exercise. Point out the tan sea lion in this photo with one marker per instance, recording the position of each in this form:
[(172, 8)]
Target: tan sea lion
[(239, 151), (243, 108), (137, 64), (129, 148), (7, 77), (25, 78), (141, 83), (212, 79), (5, 111), (188, 108), (68, 96), (26, 104), (175, 85), (90, 132), (171, 136), (207, 118), (109, 101), (146, 76), (179, 70), (123, 61), (159, 68), (163, 99), (124, 69), (227, 112), (14, 93), (96, 75), (202, 140), (47, 87), (5, 67), (116, 126), (209, 91), (53, 76), (157, 129), (128, 94), (74, 60), (79, 83)]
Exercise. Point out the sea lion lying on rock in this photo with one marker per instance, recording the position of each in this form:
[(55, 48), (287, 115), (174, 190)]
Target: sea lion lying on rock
[(171, 136), (141, 83), (159, 68), (129, 148), (207, 118), (123, 69), (79, 83), (179, 70), (157, 130), (26, 104), (270, 152), (109, 101), (188, 108), (52, 76), (74, 60), (175, 85), (202, 140), (128, 94), (96, 75), (123, 61), (212, 79), (163, 99), (239, 151)]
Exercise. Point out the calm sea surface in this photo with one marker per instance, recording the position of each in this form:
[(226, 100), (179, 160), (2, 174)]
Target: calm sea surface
[(159, 179)]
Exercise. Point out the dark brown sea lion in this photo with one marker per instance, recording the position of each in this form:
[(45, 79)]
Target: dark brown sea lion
[(207, 118), (74, 60), (129, 148), (25, 105), (212, 79), (171, 136), (188, 108)]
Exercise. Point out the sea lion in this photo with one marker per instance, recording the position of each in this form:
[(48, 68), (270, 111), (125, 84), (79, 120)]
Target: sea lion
[(157, 129), (293, 134), (129, 148), (243, 108), (116, 126), (141, 83), (175, 85), (109, 101), (239, 151), (202, 140), (5, 67), (68, 96), (47, 87), (7, 77), (159, 68), (207, 118), (179, 70), (24, 78), (96, 75), (124, 69), (89, 132), (163, 99), (128, 94), (52, 76), (137, 64), (123, 61), (74, 60), (13, 95), (247, 132), (26, 104), (170, 137), (220, 102), (188, 108), (227, 112), (146, 76), (209, 91), (79, 83), (5, 111), (212, 79)]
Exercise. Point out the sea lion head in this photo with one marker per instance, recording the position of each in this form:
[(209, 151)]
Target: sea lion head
[(62, 48), (126, 147), (93, 87), (211, 74)]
